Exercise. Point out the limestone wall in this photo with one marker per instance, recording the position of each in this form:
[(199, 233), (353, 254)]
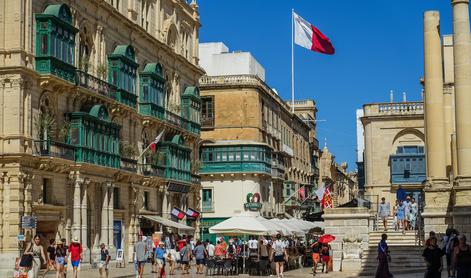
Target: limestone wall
[(346, 223)]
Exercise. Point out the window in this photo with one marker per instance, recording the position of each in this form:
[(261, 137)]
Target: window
[(207, 195), (44, 42), (207, 112), (46, 192), (116, 197), (146, 200)]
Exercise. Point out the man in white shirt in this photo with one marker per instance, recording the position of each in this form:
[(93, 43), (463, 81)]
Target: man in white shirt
[(253, 247), (407, 204), (210, 248)]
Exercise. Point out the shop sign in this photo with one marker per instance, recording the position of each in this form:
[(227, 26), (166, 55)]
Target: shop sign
[(176, 187), (253, 202), (28, 222)]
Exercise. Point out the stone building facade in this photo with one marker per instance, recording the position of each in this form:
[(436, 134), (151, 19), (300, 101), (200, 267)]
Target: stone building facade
[(394, 150), (342, 184), (253, 149), (85, 86)]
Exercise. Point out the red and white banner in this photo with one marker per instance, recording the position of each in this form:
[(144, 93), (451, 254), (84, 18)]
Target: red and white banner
[(192, 213), (156, 141), (308, 36), (178, 213), (327, 199)]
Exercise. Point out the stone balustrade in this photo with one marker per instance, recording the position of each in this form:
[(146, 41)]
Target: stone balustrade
[(394, 108)]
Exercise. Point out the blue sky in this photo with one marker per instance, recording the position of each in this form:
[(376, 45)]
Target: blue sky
[(379, 47)]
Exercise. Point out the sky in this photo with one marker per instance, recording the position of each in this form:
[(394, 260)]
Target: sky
[(378, 44)]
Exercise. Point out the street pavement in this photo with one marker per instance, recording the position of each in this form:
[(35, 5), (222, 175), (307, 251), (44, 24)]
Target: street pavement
[(128, 272)]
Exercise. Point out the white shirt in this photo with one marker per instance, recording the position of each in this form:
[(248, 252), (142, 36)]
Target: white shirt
[(253, 244), (210, 248)]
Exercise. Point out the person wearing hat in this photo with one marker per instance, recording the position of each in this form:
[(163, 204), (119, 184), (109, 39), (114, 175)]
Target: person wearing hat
[(60, 259), (140, 250), (75, 250), (104, 261), (160, 259)]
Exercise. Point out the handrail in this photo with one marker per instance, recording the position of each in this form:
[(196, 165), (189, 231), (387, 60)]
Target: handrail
[(93, 83)]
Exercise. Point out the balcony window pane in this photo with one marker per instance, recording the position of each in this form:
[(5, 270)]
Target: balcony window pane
[(44, 42)]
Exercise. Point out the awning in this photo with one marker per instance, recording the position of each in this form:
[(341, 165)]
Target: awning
[(169, 223)]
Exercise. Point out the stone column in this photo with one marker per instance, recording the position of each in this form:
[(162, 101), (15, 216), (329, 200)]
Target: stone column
[(462, 66), (104, 215), (84, 239), (76, 223), (165, 202), (437, 191), (110, 215), (434, 116)]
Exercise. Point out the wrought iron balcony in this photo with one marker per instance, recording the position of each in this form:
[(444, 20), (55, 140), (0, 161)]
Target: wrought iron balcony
[(95, 84), (53, 149), (195, 179), (207, 206), (207, 122), (128, 164), (152, 170)]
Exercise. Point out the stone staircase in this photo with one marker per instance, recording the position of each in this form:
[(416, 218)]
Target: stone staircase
[(406, 251)]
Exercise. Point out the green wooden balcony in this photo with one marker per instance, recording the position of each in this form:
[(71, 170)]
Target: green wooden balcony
[(54, 66), (152, 110), (53, 148), (88, 155), (172, 173), (92, 83), (126, 98)]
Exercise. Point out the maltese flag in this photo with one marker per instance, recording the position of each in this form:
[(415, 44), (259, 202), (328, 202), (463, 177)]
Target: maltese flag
[(308, 36)]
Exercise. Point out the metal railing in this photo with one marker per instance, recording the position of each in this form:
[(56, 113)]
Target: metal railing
[(54, 149), (128, 164), (93, 83), (207, 122), (151, 170), (207, 206)]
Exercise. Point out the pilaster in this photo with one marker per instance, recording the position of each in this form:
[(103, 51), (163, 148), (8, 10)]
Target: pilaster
[(104, 215)]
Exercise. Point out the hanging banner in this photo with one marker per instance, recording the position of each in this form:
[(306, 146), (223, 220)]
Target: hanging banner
[(178, 213), (192, 213)]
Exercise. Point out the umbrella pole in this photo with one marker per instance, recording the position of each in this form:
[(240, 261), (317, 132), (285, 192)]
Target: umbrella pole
[(243, 258)]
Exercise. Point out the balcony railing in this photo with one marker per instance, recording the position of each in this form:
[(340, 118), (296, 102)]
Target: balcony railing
[(394, 108), (207, 206), (54, 149), (173, 118), (152, 170), (95, 84), (128, 164)]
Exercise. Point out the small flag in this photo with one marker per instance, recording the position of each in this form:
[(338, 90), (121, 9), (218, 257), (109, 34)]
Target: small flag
[(308, 36), (320, 192), (327, 199), (178, 213), (302, 193), (192, 213), (156, 141)]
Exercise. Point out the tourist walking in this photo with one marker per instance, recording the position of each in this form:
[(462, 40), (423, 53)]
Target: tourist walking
[(433, 258), (104, 261), (210, 248), (140, 252), (325, 257), (394, 210), (253, 247), (36, 250), (400, 194), (451, 242), (384, 212), (60, 259), (316, 254), (200, 255), (263, 249), (462, 258), (159, 257), (185, 258), (401, 213), (279, 255), (51, 256), (75, 250), (414, 210), (383, 259), (407, 204), (66, 251)]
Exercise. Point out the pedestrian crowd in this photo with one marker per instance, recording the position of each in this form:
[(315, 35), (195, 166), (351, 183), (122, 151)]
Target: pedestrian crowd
[(454, 248), (405, 211)]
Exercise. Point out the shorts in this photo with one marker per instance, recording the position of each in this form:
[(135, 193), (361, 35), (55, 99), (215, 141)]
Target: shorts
[(325, 259), (316, 257), (185, 262), (279, 258), (384, 217), (75, 263), (103, 264), (159, 262), (60, 260), (400, 217), (200, 261)]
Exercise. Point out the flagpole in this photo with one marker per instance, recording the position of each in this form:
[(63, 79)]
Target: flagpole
[(292, 61)]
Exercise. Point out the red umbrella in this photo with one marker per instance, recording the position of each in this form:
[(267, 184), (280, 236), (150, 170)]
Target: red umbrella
[(326, 238)]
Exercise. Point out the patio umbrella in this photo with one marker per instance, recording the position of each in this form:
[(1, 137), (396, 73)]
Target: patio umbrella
[(241, 225), (274, 226), (293, 228), (326, 238)]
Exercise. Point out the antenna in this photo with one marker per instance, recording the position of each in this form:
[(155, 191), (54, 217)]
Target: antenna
[(325, 142), (391, 96), (404, 97)]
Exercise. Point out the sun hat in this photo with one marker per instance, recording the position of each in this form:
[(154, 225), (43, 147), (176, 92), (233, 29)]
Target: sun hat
[(75, 240)]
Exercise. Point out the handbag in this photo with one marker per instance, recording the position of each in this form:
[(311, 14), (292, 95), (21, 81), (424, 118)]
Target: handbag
[(27, 259)]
